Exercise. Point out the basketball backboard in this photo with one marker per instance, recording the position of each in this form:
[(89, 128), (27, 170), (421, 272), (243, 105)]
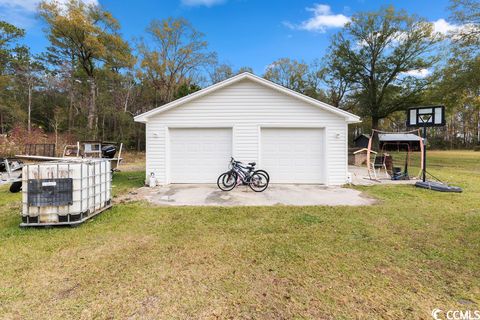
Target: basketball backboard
[(433, 116)]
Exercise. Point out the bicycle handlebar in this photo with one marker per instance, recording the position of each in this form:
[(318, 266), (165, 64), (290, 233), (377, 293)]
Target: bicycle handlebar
[(234, 162)]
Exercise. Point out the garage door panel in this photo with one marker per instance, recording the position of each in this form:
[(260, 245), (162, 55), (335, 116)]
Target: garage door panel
[(199, 155), (293, 155)]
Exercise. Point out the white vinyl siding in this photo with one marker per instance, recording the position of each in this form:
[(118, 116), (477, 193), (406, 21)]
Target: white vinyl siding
[(247, 106)]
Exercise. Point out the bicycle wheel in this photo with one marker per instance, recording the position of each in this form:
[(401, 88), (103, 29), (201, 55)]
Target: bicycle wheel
[(227, 181), (264, 172), (258, 182)]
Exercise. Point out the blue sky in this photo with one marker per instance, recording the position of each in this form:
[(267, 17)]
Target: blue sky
[(243, 32)]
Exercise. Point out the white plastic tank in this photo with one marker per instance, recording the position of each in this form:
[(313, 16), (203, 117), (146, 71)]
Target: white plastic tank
[(65, 192)]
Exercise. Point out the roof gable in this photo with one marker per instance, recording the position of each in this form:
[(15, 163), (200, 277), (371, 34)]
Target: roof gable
[(349, 117)]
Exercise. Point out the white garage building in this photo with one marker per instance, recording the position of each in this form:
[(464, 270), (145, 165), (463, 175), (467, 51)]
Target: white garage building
[(295, 138)]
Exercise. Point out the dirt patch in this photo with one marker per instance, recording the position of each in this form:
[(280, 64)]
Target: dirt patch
[(66, 293), (218, 197)]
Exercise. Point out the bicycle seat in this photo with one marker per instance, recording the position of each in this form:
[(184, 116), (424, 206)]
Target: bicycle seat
[(253, 164)]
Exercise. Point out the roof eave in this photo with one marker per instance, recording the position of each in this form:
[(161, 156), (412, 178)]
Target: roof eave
[(144, 116), (325, 106), (353, 120), (140, 119), (349, 117)]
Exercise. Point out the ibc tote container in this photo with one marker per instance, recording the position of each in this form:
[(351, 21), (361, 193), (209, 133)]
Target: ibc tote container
[(65, 192)]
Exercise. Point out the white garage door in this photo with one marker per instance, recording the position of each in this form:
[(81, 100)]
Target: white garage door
[(292, 155), (199, 155)]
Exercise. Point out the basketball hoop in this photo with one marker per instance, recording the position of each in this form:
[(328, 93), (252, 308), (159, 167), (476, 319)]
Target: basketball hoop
[(424, 117), (433, 116)]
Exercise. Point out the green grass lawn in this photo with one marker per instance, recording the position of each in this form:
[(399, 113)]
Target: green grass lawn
[(415, 251)]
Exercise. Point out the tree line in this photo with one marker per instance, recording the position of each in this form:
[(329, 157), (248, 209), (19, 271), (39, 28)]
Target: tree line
[(90, 82)]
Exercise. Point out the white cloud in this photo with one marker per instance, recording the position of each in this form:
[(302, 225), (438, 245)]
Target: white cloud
[(454, 31), (443, 27), (421, 73), (31, 5), (22, 12), (18, 17), (323, 18), (207, 3), (28, 5)]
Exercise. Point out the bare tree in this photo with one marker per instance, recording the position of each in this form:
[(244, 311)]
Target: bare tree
[(177, 53), (29, 71), (289, 73)]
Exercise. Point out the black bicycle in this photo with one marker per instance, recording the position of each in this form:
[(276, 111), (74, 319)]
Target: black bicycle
[(240, 173)]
